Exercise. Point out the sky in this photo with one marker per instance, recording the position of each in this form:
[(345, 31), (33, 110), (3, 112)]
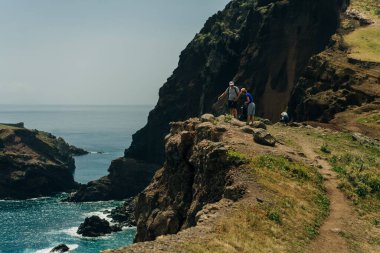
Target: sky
[(94, 52)]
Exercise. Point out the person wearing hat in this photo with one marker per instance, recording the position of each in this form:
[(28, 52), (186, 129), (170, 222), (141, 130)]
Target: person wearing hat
[(250, 105), (232, 93)]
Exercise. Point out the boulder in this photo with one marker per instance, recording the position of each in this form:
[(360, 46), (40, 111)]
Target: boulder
[(266, 121), (262, 137), (259, 124), (247, 129), (95, 226), (207, 117), (60, 248)]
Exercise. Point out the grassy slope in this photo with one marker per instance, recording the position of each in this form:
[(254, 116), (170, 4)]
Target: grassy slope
[(295, 205), (365, 42), (358, 166)]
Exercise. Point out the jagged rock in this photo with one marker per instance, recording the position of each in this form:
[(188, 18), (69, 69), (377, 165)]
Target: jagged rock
[(247, 129), (266, 121), (124, 214), (195, 173), (354, 14), (261, 136), (207, 117), (75, 151), (34, 164), (235, 192), (94, 226), (259, 124), (220, 129), (60, 249)]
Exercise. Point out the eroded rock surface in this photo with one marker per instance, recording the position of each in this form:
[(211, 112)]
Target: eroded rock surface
[(34, 164), (195, 173)]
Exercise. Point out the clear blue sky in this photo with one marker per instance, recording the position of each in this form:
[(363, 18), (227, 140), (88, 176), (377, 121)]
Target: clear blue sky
[(94, 51)]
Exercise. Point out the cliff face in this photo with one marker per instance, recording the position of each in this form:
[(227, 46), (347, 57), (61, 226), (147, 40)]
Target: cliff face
[(197, 171), (333, 81), (126, 178), (34, 164), (263, 45)]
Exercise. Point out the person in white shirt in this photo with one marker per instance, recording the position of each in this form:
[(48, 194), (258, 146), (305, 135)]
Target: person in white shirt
[(232, 93)]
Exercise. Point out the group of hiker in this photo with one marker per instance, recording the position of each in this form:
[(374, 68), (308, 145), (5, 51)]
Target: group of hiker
[(242, 100), (234, 94)]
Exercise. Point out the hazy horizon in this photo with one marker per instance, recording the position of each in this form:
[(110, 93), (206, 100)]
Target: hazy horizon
[(93, 52)]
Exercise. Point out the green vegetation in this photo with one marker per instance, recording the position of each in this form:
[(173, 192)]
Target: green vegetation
[(360, 177), (325, 148), (369, 7), (287, 168), (294, 206), (228, 118), (236, 156), (365, 43), (358, 166), (372, 119), (7, 127), (275, 216)]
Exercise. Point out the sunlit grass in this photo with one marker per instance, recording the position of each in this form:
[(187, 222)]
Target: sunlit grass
[(285, 221), (365, 43)]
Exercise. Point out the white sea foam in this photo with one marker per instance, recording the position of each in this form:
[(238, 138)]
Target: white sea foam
[(73, 233), (99, 153), (101, 215), (128, 228), (70, 231), (47, 250)]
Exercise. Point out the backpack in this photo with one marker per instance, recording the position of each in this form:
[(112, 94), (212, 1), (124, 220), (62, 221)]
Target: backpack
[(236, 91)]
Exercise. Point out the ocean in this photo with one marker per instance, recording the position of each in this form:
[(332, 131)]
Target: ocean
[(38, 225)]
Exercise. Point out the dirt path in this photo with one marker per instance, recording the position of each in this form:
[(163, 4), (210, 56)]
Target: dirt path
[(341, 213)]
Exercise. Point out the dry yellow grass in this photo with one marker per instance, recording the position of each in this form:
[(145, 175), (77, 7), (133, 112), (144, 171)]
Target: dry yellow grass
[(365, 43)]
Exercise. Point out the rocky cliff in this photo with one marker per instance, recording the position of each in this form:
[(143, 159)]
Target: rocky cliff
[(263, 45), (197, 171), (335, 81), (34, 163)]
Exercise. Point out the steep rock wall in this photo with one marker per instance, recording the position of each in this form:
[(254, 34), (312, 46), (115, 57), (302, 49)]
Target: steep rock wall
[(196, 172), (332, 81), (263, 45)]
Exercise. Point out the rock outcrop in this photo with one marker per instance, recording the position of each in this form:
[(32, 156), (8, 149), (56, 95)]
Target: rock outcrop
[(60, 249), (126, 178), (333, 82), (196, 172), (124, 215), (262, 45), (34, 164), (94, 226)]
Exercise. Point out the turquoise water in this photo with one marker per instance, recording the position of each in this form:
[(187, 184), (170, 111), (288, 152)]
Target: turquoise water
[(38, 225)]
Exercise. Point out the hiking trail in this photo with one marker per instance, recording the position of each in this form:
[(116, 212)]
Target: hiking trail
[(341, 212)]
